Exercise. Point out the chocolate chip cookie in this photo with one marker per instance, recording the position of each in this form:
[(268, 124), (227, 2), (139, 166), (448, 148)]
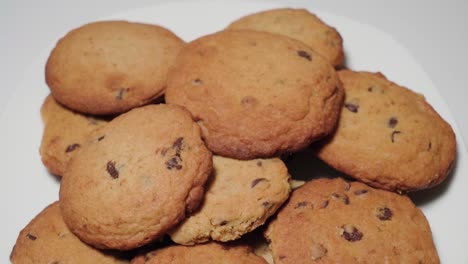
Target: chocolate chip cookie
[(46, 239), (65, 131), (334, 221), (388, 136), (135, 178), (255, 94), (210, 253), (109, 67), (298, 24), (260, 186)]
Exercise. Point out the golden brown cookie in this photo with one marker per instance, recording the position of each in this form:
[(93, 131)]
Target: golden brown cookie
[(210, 253), (255, 94), (111, 66), (298, 24), (388, 136), (64, 132), (135, 178), (46, 239), (240, 196), (334, 221)]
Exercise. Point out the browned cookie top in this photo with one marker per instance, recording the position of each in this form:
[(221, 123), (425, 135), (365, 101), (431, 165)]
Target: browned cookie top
[(210, 253), (65, 131), (135, 178), (111, 66), (389, 136), (334, 221), (240, 196), (298, 24), (46, 239), (255, 94)]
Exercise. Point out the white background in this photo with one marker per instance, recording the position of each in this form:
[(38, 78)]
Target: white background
[(435, 32)]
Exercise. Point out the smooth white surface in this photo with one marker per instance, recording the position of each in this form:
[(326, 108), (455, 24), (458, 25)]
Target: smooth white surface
[(27, 188)]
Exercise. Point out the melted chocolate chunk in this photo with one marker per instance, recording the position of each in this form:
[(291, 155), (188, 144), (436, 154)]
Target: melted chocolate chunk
[(351, 233), (72, 147), (384, 213), (32, 237), (396, 132), (223, 223), (113, 172), (101, 138), (304, 55), (352, 107), (392, 122), (177, 145), (342, 197), (257, 181)]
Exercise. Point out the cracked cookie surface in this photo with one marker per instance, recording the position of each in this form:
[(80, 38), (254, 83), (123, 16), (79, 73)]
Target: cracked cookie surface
[(261, 186), (335, 221), (110, 67), (298, 24), (65, 131), (255, 94), (388, 136), (209, 253), (135, 178), (46, 239)]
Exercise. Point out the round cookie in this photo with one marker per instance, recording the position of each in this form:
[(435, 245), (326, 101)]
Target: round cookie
[(334, 221), (298, 24), (64, 132), (209, 253), (261, 186), (255, 94), (135, 178), (110, 67), (46, 239), (388, 136)]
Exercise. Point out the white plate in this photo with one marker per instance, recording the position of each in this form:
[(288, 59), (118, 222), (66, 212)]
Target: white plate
[(27, 187)]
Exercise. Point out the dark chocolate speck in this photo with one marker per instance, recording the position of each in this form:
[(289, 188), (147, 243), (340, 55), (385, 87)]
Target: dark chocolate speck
[(393, 135), (392, 122), (113, 172), (304, 55), (352, 107), (72, 147), (32, 237)]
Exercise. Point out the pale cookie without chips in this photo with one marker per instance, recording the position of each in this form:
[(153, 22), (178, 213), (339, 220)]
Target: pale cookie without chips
[(65, 131), (388, 136), (210, 253), (46, 239), (298, 24), (240, 196), (256, 94), (110, 67), (334, 221), (135, 178)]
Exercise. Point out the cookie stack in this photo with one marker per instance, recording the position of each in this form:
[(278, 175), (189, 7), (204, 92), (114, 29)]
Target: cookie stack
[(172, 152)]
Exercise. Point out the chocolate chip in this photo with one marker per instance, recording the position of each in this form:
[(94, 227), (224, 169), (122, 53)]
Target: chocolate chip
[(351, 233), (282, 257), (113, 172), (318, 251), (121, 93), (429, 146), (101, 138), (173, 163), (384, 213), (223, 223), (32, 237), (304, 55), (259, 163), (324, 204), (197, 82), (177, 145), (392, 122), (343, 197), (393, 135), (301, 204), (257, 181), (360, 192), (72, 147), (352, 107), (266, 204), (370, 89)]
